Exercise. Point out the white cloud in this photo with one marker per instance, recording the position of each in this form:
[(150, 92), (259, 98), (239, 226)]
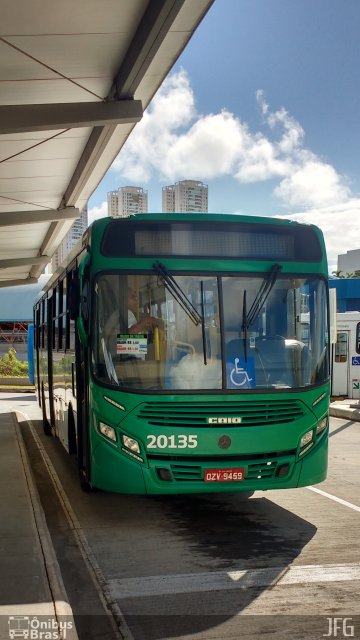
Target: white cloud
[(260, 99), (97, 212), (210, 148), (293, 132), (173, 141), (260, 162), (148, 147), (312, 183), (340, 225)]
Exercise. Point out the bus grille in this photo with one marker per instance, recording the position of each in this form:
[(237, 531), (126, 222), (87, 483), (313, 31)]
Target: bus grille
[(191, 473), (188, 472), (196, 414)]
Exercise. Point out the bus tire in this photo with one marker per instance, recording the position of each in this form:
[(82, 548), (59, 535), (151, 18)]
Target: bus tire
[(85, 485), (46, 423), (71, 433)]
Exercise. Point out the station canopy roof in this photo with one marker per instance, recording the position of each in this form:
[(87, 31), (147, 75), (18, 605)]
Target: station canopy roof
[(75, 78)]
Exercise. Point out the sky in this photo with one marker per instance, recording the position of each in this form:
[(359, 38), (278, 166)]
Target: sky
[(262, 106)]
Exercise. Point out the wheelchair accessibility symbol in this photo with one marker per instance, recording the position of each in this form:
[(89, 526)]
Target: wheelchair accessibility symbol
[(240, 373)]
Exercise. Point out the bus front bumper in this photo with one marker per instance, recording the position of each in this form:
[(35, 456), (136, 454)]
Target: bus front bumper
[(115, 471)]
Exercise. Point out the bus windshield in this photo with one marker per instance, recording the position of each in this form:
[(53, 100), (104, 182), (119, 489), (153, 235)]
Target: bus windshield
[(211, 332)]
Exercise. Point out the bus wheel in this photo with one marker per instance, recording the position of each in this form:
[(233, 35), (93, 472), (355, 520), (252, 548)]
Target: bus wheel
[(84, 483), (71, 433), (245, 495), (46, 423)]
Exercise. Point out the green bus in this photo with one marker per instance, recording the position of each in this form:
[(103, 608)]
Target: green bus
[(188, 353)]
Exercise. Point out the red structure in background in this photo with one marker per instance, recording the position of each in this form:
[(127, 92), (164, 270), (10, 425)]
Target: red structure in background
[(16, 313), (12, 333)]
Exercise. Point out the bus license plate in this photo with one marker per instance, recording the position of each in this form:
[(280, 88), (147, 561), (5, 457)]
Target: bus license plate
[(224, 475)]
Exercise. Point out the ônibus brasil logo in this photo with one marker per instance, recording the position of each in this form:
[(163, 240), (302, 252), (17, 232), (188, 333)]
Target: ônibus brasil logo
[(33, 628)]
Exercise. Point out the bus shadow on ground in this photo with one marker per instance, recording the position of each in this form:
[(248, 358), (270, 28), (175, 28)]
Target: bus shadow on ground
[(244, 546)]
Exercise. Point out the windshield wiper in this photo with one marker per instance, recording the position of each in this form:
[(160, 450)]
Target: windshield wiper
[(172, 286), (179, 295), (262, 295), (244, 327), (203, 321)]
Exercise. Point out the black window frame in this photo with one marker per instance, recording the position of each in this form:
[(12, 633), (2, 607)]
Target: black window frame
[(357, 338)]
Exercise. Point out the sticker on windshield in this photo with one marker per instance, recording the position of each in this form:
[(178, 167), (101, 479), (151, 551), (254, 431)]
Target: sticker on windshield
[(134, 344), (240, 373)]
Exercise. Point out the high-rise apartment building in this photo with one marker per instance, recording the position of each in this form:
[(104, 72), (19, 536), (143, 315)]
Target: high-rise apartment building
[(186, 196), (71, 238), (113, 203), (168, 199), (127, 201)]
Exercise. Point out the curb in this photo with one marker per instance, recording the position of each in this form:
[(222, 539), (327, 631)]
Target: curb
[(61, 604), (21, 381), (337, 411), (10, 389)]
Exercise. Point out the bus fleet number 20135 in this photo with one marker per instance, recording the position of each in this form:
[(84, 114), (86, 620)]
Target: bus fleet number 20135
[(178, 441)]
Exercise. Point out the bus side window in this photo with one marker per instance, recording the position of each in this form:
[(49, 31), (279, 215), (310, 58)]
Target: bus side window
[(72, 304), (43, 324), (85, 298), (357, 346), (60, 316), (341, 348)]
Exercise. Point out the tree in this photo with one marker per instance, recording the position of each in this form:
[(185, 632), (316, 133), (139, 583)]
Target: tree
[(338, 274), (11, 366)]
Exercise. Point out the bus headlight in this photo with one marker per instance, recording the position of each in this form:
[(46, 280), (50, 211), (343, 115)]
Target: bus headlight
[(307, 437), (130, 443), (321, 425), (107, 431)]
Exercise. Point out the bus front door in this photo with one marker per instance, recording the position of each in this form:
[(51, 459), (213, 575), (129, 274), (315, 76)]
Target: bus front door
[(341, 365)]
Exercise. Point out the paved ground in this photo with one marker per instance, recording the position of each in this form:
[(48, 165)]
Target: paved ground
[(31, 583)]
